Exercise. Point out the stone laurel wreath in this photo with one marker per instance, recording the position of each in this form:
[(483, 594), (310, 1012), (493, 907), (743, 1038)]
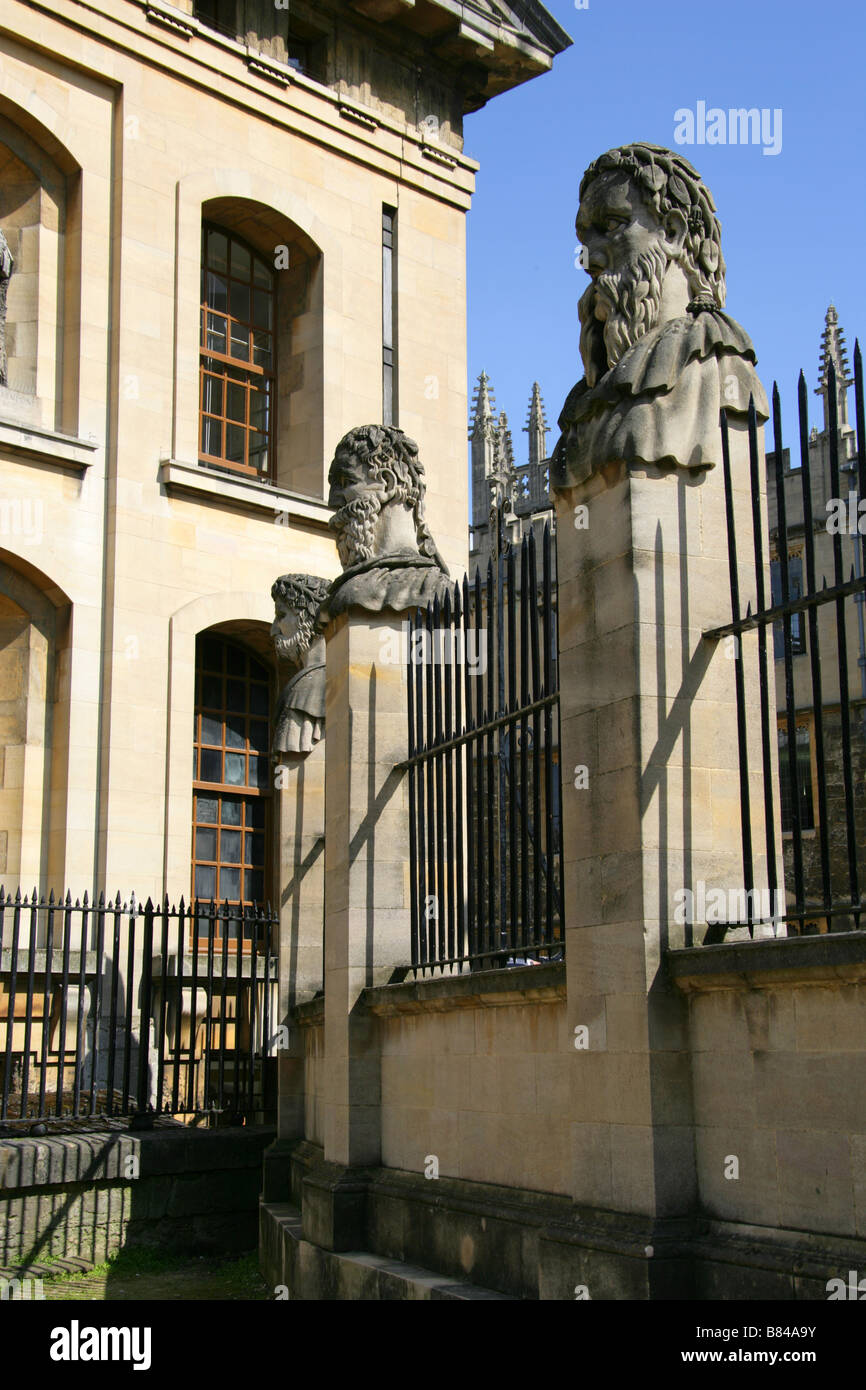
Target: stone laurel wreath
[(303, 594), (670, 184)]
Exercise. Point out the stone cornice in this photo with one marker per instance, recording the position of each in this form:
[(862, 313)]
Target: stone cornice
[(168, 38)]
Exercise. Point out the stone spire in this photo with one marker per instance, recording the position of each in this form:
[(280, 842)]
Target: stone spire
[(833, 350), (506, 444), (536, 427), (485, 446), (482, 406)]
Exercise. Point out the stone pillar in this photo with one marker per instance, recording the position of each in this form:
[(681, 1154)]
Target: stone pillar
[(300, 779), (367, 919), (367, 924), (648, 712), (300, 848)]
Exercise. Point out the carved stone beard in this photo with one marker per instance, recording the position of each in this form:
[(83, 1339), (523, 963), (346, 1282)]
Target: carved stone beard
[(355, 529), (632, 297), (295, 649)]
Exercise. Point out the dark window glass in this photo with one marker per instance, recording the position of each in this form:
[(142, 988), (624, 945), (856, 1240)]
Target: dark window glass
[(237, 355), (798, 620), (804, 780), (232, 722)]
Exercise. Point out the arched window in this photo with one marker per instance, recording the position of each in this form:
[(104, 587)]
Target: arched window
[(231, 774), (238, 366)]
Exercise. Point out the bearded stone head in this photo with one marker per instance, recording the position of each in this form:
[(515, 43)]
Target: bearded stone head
[(377, 488), (652, 248), (297, 598)]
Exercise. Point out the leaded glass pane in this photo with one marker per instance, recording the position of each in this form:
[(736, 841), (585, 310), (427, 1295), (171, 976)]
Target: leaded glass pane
[(235, 769)]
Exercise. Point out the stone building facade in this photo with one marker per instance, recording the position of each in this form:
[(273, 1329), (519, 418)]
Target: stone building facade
[(235, 232), (521, 492), (825, 514)]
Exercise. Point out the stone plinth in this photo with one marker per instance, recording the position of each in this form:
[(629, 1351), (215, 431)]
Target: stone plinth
[(367, 923), (649, 713)]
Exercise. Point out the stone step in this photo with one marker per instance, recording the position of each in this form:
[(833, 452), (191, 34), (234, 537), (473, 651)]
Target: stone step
[(361, 1275)]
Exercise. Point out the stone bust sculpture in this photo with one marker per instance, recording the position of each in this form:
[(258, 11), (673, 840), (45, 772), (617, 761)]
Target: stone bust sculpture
[(300, 717), (7, 265), (388, 555), (660, 357)]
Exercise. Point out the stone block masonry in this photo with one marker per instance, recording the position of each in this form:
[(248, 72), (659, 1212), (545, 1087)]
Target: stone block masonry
[(88, 1196)]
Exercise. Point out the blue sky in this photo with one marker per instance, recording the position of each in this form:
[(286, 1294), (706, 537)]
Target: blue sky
[(793, 224)]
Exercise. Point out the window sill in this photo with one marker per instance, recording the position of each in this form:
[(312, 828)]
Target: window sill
[(47, 446), (283, 506)]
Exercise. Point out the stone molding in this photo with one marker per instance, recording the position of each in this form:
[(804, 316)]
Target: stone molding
[(172, 18), (528, 984), (789, 961)]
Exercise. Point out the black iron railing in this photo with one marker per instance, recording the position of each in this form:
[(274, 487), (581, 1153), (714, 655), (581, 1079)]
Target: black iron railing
[(824, 861), (483, 771), (119, 1009)]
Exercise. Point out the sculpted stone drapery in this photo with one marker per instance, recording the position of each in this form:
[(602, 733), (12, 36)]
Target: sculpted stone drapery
[(660, 357), (7, 265), (388, 554), (300, 717)]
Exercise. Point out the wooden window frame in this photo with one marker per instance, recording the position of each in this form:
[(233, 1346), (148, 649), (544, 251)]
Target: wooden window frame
[(247, 793), (237, 372), (389, 315)]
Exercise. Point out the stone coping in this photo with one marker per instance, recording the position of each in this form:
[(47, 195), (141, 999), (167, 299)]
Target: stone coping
[(41, 966), (535, 984), (789, 960), (480, 989), (219, 486), (198, 970), (29, 1162)]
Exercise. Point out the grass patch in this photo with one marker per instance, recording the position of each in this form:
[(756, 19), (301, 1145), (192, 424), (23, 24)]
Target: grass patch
[(144, 1273)]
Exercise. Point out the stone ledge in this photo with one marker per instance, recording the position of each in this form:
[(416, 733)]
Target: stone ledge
[(310, 1014), (42, 967), (237, 491), (793, 960), (172, 18), (534, 984), (47, 446)]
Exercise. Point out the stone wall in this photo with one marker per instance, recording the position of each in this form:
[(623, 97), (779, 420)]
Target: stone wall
[(185, 1190), (481, 1073), (475, 1073), (777, 1064)]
